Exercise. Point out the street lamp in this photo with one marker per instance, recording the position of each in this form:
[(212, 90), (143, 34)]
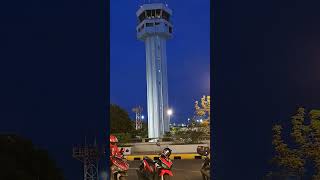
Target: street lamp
[(142, 117), (169, 112)]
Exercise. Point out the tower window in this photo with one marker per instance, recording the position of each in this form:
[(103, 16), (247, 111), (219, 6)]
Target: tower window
[(165, 15), (142, 17), (158, 13), (170, 29), (149, 13), (156, 23), (149, 24), (153, 13)]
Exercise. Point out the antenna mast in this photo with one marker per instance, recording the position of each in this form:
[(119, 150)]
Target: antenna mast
[(138, 110), (89, 155)]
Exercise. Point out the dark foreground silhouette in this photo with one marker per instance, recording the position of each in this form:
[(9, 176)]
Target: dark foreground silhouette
[(21, 160)]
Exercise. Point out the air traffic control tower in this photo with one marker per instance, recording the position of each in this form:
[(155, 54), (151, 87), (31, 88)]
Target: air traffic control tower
[(154, 28)]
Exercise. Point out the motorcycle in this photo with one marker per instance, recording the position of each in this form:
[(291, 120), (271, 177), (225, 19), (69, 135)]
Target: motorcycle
[(119, 167), (205, 168), (155, 169)]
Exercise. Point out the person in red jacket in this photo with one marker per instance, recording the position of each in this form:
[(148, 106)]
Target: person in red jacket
[(114, 150)]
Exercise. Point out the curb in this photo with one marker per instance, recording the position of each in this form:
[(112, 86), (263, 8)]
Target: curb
[(173, 157)]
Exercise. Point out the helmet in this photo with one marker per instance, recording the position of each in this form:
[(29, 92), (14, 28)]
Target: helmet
[(166, 152), (113, 139)]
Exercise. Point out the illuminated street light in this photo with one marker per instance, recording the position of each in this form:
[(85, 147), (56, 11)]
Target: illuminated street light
[(142, 117), (169, 112)]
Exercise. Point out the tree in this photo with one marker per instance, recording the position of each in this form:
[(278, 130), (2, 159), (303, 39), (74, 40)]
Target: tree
[(20, 160), (291, 158), (203, 111), (120, 121)]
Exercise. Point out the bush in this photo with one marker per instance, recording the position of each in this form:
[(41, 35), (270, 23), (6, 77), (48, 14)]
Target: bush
[(188, 136), (123, 137)]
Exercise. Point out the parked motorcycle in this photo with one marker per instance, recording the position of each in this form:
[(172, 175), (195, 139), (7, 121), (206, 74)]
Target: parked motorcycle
[(119, 168), (159, 169), (205, 168)]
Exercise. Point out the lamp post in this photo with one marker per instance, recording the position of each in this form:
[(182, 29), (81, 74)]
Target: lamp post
[(169, 112)]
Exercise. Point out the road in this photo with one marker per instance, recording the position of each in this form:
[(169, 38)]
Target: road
[(182, 169)]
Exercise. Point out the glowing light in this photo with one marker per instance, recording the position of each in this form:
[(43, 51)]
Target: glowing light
[(169, 112)]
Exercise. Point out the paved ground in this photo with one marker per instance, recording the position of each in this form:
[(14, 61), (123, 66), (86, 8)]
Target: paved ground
[(182, 169)]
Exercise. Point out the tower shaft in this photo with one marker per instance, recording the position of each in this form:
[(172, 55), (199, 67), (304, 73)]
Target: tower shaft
[(157, 87)]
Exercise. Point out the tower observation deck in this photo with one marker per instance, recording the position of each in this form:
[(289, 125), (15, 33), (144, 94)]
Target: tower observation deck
[(154, 29)]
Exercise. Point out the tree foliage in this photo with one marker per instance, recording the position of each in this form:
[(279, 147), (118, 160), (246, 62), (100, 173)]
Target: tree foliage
[(305, 146), (120, 121), (20, 160), (203, 110)]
